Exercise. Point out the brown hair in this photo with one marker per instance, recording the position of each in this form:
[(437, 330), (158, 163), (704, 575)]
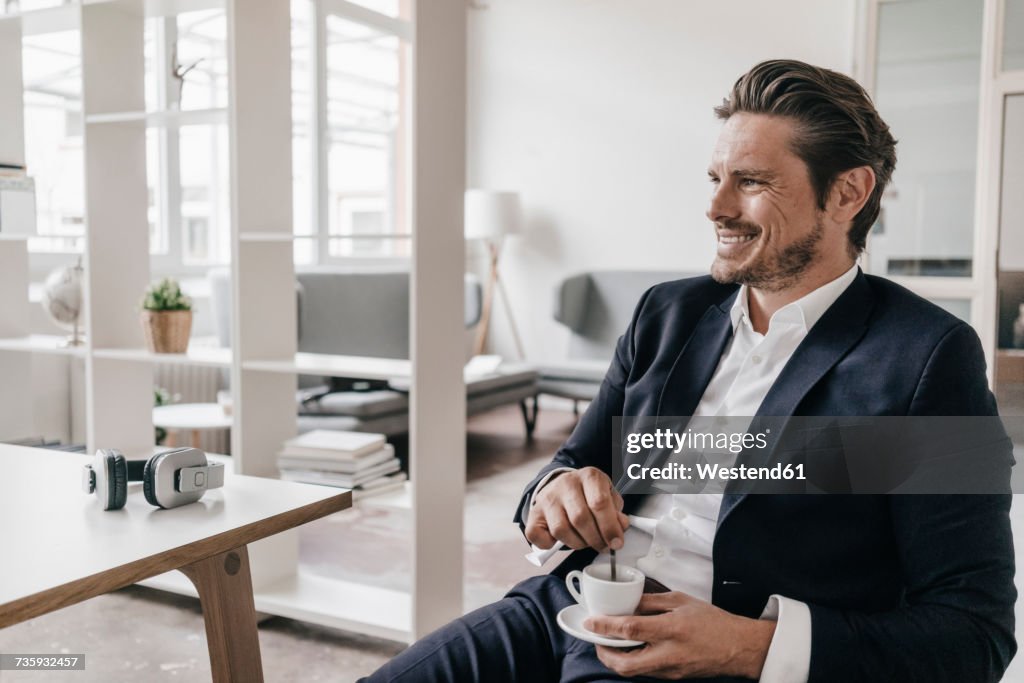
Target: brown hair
[(837, 127)]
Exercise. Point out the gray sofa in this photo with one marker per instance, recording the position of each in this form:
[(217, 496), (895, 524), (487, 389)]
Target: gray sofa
[(365, 312), (596, 307)]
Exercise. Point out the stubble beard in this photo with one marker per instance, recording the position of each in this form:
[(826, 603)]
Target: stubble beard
[(771, 272)]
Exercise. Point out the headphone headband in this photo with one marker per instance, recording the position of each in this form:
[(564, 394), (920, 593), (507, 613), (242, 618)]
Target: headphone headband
[(170, 479)]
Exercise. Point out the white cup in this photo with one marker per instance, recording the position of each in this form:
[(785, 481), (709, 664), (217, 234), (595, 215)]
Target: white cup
[(602, 596)]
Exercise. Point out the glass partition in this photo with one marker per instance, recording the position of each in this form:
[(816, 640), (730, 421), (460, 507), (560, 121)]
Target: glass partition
[(1013, 35), (927, 89)]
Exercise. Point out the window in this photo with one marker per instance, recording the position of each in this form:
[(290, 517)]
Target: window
[(191, 77), (186, 153), (355, 155), (203, 186), (348, 143), (51, 72), (1013, 35), (927, 89)]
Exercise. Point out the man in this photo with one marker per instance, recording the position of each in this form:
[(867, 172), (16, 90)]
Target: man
[(778, 588)]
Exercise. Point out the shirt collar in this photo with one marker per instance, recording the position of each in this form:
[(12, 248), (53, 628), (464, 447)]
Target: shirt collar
[(805, 311)]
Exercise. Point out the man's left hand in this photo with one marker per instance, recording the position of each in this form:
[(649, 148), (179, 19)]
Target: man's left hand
[(686, 638)]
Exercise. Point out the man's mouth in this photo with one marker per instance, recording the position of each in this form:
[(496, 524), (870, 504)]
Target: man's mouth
[(736, 239)]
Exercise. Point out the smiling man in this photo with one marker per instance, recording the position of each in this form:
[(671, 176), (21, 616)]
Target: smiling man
[(776, 588)]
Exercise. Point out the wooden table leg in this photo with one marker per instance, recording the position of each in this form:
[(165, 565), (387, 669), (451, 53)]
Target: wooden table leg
[(225, 591)]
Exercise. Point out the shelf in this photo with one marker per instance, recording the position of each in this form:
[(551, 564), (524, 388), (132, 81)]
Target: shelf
[(171, 8), (168, 8), (272, 237), (8, 237), (290, 237), (334, 603), (196, 355), (41, 343), (361, 367), (168, 117), (47, 20), (344, 605)]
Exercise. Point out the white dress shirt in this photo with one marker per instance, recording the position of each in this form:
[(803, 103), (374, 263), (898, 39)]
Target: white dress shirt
[(670, 537)]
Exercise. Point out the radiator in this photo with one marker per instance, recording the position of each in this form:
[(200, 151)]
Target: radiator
[(195, 384)]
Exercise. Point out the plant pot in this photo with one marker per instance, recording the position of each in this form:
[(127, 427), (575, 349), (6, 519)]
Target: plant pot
[(166, 331)]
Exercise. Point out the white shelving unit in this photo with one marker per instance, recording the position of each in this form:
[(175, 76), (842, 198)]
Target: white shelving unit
[(167, 117), (14, 311), (264, 362)]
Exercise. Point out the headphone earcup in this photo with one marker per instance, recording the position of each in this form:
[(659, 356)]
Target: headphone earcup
[(148, 485), (117, 489)]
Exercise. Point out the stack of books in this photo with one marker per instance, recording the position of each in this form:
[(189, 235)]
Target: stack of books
[(363, 462)]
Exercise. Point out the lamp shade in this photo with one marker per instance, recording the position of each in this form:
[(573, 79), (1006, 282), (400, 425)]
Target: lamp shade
[(491, 215)]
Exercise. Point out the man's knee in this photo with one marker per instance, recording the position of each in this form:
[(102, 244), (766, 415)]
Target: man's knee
[(508, 640)]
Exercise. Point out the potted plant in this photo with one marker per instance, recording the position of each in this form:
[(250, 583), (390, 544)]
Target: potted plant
[(166, 317)]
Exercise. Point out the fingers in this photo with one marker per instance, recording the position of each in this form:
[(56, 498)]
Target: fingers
[(642, 661), (604, 504), (537, 531), (582, 518), (642, 628), (656, 603), (562, 528), (628, 663), (580, 509)]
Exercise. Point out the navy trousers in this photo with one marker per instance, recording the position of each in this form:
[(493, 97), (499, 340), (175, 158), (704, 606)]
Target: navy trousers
[(515, 639)]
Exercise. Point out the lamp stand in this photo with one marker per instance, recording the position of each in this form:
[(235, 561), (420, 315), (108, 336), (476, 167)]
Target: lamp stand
[(494, 282)]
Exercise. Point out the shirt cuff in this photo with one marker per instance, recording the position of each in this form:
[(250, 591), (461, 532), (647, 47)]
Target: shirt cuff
[(543, 482), (789, 655)]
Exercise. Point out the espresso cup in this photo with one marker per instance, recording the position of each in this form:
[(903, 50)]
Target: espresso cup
[(602, 596)]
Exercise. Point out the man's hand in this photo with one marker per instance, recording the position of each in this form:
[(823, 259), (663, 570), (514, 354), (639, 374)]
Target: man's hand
[(580, 508), (686, 638)]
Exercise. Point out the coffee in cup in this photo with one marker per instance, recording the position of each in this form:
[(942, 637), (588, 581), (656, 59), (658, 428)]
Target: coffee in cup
[(602, 596)]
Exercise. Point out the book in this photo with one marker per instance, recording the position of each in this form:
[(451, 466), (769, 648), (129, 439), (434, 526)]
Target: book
[(378, 486), (347, 481), (327, 443), (345, 466), (12, 171), (384, 481)]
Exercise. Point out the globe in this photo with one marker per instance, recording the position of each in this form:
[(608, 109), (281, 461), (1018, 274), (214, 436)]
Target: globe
[(62, 298)]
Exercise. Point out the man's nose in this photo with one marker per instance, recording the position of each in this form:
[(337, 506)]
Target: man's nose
[(723, 204)]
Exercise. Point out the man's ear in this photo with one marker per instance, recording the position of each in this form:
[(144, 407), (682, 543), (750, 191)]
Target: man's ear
[(850, 192)]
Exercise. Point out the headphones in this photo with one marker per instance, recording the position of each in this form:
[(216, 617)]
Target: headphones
[(169, 479)]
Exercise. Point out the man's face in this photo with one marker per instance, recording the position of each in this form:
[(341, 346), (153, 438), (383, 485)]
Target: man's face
[(767, 223)]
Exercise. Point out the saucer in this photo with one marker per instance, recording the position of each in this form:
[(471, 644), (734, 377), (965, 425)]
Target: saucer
[(571, 620)]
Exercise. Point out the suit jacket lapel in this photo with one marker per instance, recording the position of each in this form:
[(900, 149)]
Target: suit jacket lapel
[(692, 370), (838, 330), (696, 363)]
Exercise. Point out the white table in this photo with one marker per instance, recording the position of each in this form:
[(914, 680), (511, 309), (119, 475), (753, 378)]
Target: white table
[(61, 548), (193, 417)]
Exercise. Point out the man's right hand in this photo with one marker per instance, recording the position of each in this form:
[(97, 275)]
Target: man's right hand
[(580, 508)]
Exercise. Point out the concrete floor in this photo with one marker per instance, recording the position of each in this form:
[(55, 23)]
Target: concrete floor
[(138, 634)]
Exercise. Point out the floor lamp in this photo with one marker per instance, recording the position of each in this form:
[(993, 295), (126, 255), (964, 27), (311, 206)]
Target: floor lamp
[(490, 216)]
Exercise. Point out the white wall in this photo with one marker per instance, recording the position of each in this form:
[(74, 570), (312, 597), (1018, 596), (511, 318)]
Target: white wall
[(599, 113)]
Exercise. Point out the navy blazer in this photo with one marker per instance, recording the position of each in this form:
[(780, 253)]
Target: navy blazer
[(900, 587)]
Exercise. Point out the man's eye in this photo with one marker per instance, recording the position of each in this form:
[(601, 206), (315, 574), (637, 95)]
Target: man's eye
[(750, 182), (713, 180)]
